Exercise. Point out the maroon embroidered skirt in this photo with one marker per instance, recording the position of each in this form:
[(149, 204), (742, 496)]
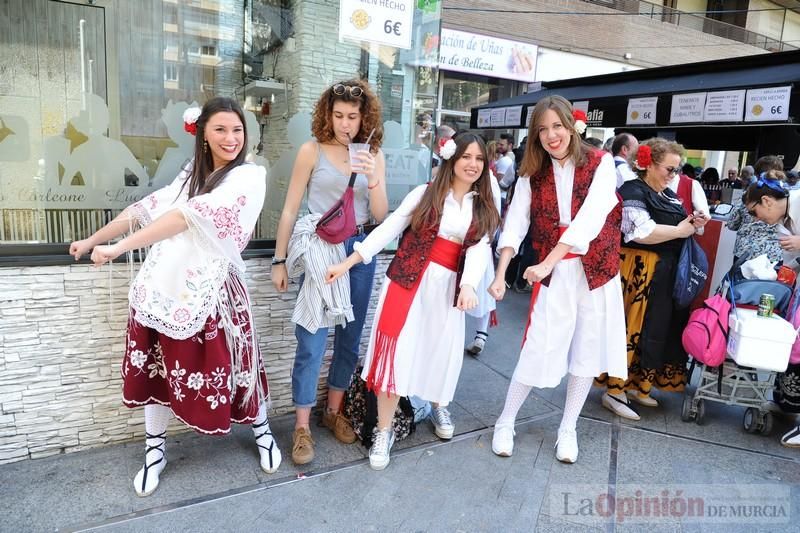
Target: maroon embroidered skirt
[(192, 376)]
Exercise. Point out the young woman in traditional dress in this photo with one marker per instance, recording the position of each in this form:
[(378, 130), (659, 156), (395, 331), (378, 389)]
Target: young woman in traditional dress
[(417, 343), (576, 323), (191, 348), (345, 112)]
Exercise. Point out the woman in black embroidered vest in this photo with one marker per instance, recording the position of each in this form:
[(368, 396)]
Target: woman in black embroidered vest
[(654, 227), (417, 341), (576, 322)]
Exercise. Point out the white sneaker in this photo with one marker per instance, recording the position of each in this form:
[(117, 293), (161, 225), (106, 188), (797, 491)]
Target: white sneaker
[(442, 425), (503, 440), (477, 345), (792, 438), (567, 446), (619, 407), (382, 441), (268, 451), (146, 480)]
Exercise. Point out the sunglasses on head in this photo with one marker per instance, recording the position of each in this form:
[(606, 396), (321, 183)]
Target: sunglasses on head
[(354, 90)]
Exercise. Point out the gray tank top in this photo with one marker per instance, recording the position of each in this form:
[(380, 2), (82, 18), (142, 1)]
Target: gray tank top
[(327, 184)]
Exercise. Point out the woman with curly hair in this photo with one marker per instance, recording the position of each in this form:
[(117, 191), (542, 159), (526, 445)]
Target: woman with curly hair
[(417, 341), (345, 112)]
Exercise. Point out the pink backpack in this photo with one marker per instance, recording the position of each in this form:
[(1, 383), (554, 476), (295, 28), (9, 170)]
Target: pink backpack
[(705, 337), (793, 316)]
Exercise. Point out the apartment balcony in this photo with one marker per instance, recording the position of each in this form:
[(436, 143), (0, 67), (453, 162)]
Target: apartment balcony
[(696, 22)]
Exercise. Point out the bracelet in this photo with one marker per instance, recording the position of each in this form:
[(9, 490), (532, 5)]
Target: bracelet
[(278, 261), (373, 186)]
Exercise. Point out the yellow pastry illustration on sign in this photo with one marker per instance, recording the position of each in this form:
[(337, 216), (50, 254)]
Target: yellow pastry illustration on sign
[(757, 110), (634, 115), (360, 19)]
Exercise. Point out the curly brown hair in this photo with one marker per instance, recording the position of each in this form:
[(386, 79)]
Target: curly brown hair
[(369, 105)]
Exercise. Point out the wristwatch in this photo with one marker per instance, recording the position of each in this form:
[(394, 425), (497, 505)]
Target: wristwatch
[(276, 261)]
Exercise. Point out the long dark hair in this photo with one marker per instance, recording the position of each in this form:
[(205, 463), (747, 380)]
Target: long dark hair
[(202, 176), (536, 159), (484, 213)]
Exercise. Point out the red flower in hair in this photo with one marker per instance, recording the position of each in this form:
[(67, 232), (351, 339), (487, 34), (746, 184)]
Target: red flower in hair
[(580, 120), (190, 128), (644, 157)]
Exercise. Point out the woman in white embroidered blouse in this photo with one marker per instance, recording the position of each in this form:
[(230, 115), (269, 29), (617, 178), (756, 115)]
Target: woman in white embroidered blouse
[(191, 348)]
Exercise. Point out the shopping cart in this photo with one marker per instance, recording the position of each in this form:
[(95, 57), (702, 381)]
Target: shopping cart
[(734, 384)]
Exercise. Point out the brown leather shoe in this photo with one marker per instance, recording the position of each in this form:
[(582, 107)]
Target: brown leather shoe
[(340, 426), (302, 446)]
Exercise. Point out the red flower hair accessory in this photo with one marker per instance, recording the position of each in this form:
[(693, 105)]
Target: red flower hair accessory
[(190, 117), (580, 120), (644, 157)]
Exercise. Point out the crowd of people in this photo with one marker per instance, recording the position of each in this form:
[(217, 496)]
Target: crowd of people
[(605, 229)]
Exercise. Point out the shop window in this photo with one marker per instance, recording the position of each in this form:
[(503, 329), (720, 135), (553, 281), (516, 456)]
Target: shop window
[(77, 146)]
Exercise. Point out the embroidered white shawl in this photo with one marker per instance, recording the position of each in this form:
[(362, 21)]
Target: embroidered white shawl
[(183, 279)]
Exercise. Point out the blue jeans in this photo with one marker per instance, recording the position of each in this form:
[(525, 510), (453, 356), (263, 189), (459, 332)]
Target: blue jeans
[(346, 341)]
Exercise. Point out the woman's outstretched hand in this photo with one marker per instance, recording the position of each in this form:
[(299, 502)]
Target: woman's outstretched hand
[(537, 273), (497, 289), (280, 277), (335, 272), (105, 253), (467, 299), (80, 248)]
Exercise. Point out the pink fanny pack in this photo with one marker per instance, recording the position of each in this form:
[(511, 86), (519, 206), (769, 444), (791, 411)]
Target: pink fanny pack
[(339, 222)]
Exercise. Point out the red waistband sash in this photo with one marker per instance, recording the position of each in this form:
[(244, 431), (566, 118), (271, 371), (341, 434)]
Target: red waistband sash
[(538, 285), (395, 312)]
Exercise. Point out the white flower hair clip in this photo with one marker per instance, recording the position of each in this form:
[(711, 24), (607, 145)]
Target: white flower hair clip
[(580, 120), (190, 117), (448, 149)]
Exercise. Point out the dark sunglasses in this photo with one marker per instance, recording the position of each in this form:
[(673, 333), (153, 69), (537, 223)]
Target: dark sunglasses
[(672, 170), (752, 210), (354, 90)]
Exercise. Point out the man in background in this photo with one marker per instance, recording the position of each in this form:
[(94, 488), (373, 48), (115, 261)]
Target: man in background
[(505, 172), (623, 146)]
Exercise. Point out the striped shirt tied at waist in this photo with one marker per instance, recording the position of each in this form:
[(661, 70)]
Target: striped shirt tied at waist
[(319, 305)]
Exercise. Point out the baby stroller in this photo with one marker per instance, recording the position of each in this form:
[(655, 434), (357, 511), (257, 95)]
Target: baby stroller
[(730, 383)]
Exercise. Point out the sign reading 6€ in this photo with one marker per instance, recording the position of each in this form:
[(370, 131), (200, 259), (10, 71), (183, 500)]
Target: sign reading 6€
[(385, 22)]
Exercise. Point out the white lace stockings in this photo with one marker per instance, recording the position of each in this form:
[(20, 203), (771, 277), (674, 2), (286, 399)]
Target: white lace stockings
[(577, 390), (517, 392)]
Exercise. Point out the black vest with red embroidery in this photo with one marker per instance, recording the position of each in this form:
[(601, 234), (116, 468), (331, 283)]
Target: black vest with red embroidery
[(413, 253), (601, 262)]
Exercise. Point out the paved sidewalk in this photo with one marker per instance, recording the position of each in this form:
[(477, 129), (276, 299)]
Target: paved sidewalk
[(215, 484)]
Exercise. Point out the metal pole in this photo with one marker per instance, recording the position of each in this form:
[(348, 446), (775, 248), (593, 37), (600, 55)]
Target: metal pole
[(83, 64)]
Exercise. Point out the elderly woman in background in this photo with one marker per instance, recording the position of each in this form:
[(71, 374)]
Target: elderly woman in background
[(754, 237), (654, 227), (769, 201)]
